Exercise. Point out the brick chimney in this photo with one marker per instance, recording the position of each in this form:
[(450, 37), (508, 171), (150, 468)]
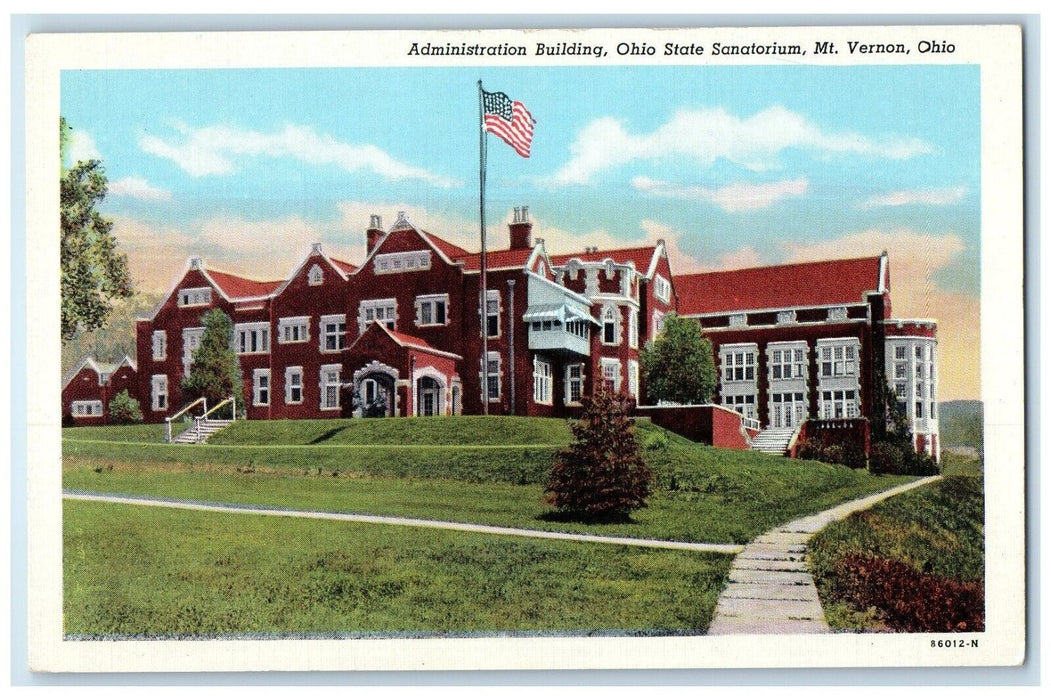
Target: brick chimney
[(521, 229), (373, 233)]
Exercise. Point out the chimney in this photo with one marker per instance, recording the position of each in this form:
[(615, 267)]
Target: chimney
[(521, 229), (373, 233)]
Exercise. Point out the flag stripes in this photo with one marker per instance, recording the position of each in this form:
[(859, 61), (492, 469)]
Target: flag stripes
[(510, 120)]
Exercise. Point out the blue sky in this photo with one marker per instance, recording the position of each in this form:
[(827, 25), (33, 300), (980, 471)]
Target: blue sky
[(733, 166)]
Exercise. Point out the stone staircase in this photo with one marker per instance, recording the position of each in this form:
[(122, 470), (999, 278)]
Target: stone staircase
[(773, 441), (209, 427)]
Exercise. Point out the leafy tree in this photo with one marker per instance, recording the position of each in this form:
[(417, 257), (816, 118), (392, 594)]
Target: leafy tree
[(94, 271), (893, 452), (679, 366), (601, 475), (124, 409), (215, 372)]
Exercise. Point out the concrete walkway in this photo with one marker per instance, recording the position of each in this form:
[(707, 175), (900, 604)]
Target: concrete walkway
[(387, 520), (770, 589)]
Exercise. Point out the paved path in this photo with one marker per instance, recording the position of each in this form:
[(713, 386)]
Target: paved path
[(770, 589), (386, 520)]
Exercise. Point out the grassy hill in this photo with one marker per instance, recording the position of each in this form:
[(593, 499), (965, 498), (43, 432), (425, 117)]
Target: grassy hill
[(473, 468)]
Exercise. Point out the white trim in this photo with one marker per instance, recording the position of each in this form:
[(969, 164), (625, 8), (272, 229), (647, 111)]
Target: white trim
[(193, 291), (583, 376), (258, 331), (288, 322), (431, 299), (366, 305), (289, 372), (156, 391), (323, 386), (605, 362), (543, 384), (258, 388), (90, 405), (323, 335), (162, 336)]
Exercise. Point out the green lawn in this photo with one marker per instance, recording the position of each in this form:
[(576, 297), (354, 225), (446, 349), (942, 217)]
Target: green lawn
[(156, 571), (936, 531), (701, 493)]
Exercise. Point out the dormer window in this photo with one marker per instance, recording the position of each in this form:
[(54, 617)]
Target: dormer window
[(315, 276), (662, 288)]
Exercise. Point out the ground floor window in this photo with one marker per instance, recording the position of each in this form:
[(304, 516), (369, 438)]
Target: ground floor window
[(574, 383), (492, 377), (839, 404), (294, 385), (261, 387), (788, 409), (86, 408), (330, 383), (742, 403), (633, 378), (159, 392), (611, 374), (541, 381)]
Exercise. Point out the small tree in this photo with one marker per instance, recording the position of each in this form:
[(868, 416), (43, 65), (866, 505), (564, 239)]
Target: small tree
[(124, 409), (897, 439), (215, 372), (679, 366), (601, 475)]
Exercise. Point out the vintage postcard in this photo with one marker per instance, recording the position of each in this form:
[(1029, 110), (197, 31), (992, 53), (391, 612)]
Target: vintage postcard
[(503, 349)]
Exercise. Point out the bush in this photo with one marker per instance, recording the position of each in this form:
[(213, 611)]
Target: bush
[(909, 601), (886, 458), (601, 475), (849, 454), (123, 409)]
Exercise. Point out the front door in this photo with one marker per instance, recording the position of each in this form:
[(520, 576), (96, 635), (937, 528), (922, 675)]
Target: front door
[(430, 397)]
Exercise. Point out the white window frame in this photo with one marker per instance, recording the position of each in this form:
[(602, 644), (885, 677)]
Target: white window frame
[(325, 382), (839, 357), (293, 329), (738, 320), (494, 357), (837, 313), (195, 296), (608, 366), (571, 381), (191, 340), (737, 402), (291, 372), (607, 311), (431, 302), (633, 378), (86, 409), (410, 261), (377, 311), (252, 338), (316, 276), (662, 288), (836, 404), (339, 336), (788, 357), (159, 390), (160, 345), (542, 381), (493, 295), (657, 324), (739, 364), (633, 329), (261, 387)]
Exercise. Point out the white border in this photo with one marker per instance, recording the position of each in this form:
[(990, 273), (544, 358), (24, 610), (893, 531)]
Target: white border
[(996, 48)]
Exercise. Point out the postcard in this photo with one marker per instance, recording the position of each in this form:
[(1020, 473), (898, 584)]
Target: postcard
[(506, 349)]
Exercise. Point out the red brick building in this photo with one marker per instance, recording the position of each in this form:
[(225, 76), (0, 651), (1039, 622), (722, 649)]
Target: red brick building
[(401, 334)]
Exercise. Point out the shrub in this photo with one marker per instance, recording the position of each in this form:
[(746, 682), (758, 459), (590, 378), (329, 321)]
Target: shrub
[(886, 458), (850, 454), (124, 409), (601, 475), (908, 600)]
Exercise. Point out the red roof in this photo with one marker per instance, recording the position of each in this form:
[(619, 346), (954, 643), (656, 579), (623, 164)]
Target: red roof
[(239, 287), (496, 259), (412, 341), (830, 282), (642, 257), (450, 250), (346, 267)]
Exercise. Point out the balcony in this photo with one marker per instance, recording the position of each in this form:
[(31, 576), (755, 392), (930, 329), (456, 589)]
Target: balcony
[(557, 319)]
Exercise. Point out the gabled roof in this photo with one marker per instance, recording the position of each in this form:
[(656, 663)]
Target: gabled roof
[(495, 259), (346, 267), (825, 283), (411, 341), (236, 287), (449, 250), (642, 257)]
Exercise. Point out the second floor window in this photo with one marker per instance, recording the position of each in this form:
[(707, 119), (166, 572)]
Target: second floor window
[(431, 310), (252, 338), (333, 333)]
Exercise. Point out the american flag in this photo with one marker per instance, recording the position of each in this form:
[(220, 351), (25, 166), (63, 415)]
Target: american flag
[(510, 120)]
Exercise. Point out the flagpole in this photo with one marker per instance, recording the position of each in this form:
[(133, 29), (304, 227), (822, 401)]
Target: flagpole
[(482, 306)]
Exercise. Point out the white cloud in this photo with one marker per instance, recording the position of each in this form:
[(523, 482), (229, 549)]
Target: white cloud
[(741, 196), (709, 134), (929, 197), (214, 150), (81, 146), (138, 188)]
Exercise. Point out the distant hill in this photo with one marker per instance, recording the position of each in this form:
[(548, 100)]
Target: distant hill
[(111, 343), (961, 423)]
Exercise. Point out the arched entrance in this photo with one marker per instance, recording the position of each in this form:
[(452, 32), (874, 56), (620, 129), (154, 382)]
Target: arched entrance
[(430, 397), (374, 388)]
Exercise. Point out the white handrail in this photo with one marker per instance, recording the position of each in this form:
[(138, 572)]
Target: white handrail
[(168, 420)]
